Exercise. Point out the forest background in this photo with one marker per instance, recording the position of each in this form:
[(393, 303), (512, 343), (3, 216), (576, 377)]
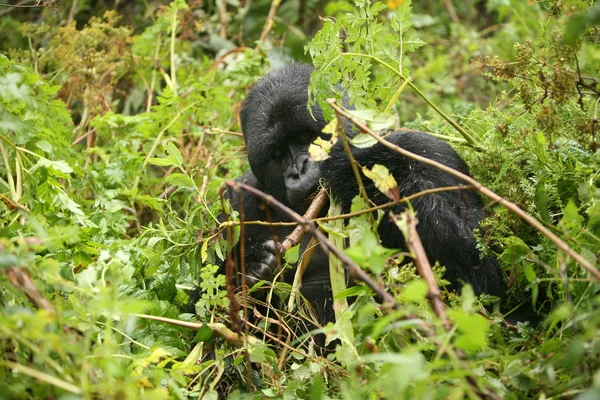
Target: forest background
[(119, 122)]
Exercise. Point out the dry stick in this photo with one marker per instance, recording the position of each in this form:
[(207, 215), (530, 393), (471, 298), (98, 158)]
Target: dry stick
[(452, 11), (234, 305), (219, 60), (353, 164), (310, 249), (153, 81), (414, 244), (351, 267), (220, 330), (269, 24), (477, 186), (19, 278), (46, 3), (355, 213), (311, 213)]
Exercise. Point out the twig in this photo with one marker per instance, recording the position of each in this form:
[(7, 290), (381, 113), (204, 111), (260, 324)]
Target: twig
[(219, 60), (452, 11), (172, 52), (269, 24), (42, 376), (222, 6), (310, 249), (153, 80), (84, 136), (415, 246), (220, 330), (72, 12), (477, 186), (311, 213), (20, 279), (46, 3), (234, 305), (353, 164)]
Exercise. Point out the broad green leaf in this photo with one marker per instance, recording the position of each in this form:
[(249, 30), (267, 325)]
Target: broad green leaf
[(180, 180)]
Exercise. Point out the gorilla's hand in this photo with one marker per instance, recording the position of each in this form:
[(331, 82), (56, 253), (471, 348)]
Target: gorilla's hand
[(263, 263)]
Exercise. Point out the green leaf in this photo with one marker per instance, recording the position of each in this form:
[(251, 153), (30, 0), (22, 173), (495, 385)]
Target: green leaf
[(292, 255), (44, 146), (363, 141), (180, 180), (173, 151), (415, 291), (473, 330), (161, 162)]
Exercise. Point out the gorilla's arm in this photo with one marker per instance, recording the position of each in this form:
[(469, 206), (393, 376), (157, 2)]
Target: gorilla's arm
[(261, 248), (446, 219)]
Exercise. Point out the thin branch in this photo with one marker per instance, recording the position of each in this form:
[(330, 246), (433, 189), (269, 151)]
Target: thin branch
[(311, 213), (269, 24), (220, 330), (415, 246), (452, 11), (42, 376), (20, 279), (46, 3)]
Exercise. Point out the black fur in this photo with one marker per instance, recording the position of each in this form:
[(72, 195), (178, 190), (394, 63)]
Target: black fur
[(278, 129)]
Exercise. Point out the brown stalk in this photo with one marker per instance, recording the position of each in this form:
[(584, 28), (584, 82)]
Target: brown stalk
[(415, 246), (311, 213)]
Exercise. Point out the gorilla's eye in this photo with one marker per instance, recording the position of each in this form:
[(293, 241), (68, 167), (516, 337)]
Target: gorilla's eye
[(278, 155)]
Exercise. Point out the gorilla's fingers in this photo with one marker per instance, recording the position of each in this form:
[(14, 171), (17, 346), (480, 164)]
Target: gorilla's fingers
[(256, 272), (274, 247)]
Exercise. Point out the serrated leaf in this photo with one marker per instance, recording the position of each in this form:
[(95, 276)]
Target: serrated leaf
[(180, 180), (172, 150)]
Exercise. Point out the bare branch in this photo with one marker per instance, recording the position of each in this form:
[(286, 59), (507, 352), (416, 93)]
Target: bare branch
[(414, 244)]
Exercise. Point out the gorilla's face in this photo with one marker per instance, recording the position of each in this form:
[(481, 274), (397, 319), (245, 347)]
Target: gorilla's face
[(278, 130)]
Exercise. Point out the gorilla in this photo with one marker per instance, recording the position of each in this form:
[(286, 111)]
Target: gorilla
[(278, 128)]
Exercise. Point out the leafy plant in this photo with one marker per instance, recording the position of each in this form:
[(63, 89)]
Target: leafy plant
[(117, 129)]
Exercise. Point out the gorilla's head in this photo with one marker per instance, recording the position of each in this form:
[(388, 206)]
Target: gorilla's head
[(278, 129)]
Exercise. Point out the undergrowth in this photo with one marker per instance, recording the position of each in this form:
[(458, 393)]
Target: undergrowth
[(117, 129)]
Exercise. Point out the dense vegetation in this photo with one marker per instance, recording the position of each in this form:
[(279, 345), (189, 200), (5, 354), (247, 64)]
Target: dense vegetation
[(119, 123)]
